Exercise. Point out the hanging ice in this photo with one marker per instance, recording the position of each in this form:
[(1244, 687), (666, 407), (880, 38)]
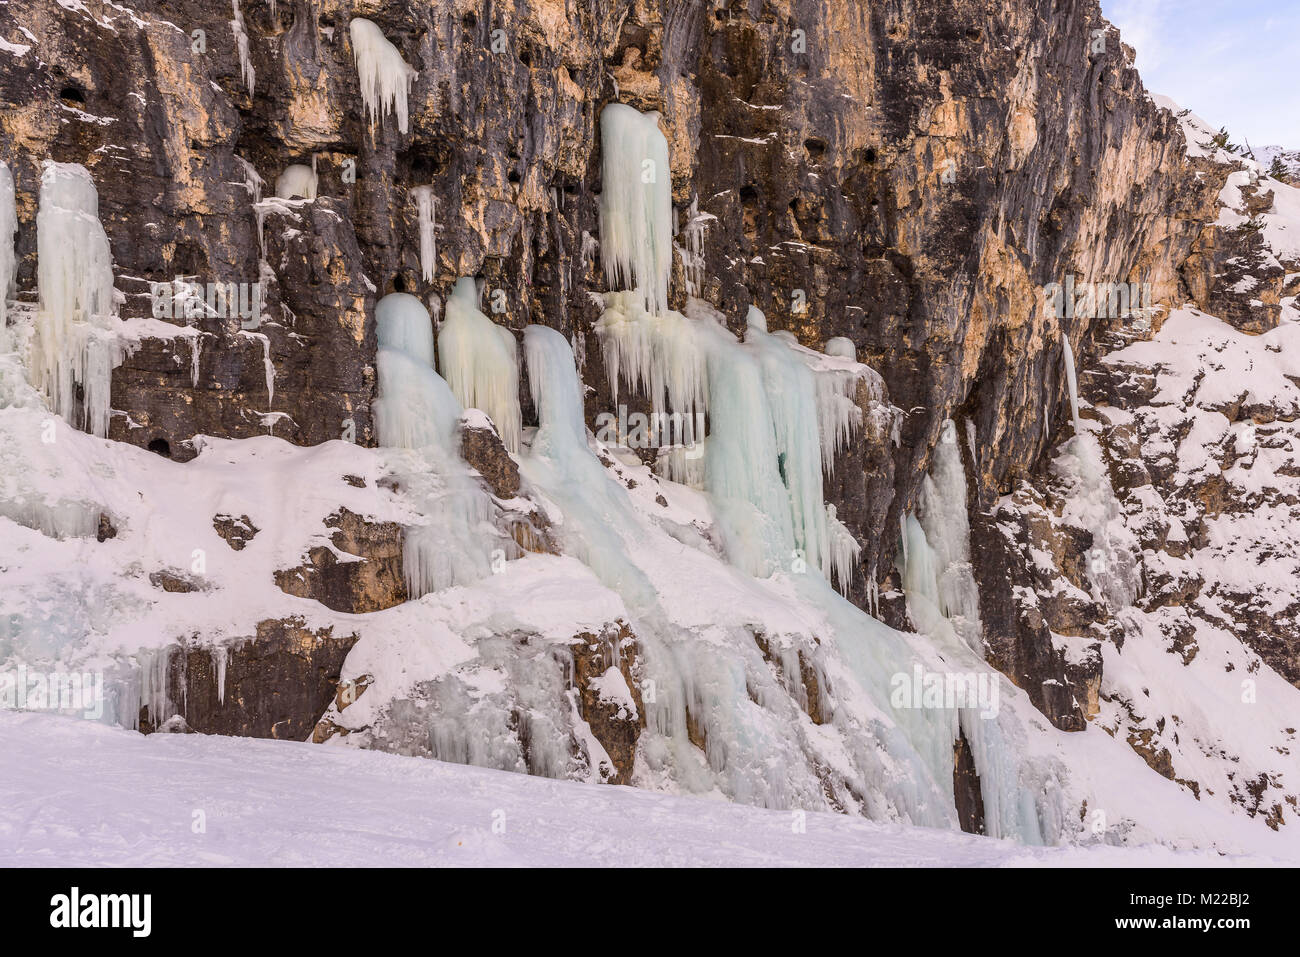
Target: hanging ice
[(937, 572), (479, 360), (660, 353), (241, 44), (428, 241), (75, 346), (692, 248), (636, 207), (298, 181), (385, 77), (8, 229), (900, 761), (1067, 356), (416, 410)]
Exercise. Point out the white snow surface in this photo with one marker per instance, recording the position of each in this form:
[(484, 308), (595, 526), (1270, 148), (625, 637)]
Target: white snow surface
[(74, 793)]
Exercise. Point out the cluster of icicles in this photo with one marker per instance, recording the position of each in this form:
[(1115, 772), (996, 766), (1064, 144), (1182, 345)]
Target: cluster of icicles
[(777, 416), (75, 345)]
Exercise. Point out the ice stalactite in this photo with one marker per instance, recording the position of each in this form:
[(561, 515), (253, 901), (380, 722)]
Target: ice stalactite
[(1072, 383), (298, 181), (8, 229), (385, 77), (660, 353), (416, 410), (427, 217), (636, 206), (480, 361), (241, 44), (75, 347)]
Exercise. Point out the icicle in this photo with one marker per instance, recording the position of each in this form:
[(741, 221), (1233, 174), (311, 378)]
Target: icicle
[(479, 360), (220, 659), (241, 44), (636, 209), (385, 77), (195, 347), (252, 182), (296, 182), (1071, 382), (428, 240), (8, 229), (660, 353), (74, 345)]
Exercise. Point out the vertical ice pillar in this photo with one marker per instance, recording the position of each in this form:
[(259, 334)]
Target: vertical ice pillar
[(428, 241), (8, 229), (636, 206), (74, 347), (480, 361), (385, 77), (949, 582), (1067, 355)]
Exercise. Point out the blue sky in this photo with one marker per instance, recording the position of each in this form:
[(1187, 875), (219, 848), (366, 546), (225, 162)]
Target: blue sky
[(1235, 63)]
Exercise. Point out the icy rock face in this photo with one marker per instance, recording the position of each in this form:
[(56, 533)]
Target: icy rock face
[(832, 200)]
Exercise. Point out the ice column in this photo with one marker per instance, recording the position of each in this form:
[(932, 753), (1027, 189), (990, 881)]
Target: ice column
[(428, 241), (8, 229), (74, 346), (479, 360), (1071, 382), (416, 410), (636, 207)]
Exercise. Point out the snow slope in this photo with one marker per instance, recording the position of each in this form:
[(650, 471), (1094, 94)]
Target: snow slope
[(76, 793)]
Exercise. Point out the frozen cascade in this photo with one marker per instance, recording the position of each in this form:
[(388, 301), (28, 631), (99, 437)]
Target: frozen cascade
[(385, 77), (75, 344), (416, 410), (241, 44), (636, 205), (428, 240), (298, 181), (480, 361), (941, 579), (789, 411), (402, 323), (658, 353), (8, 229), (1067, 356), (899, 759)]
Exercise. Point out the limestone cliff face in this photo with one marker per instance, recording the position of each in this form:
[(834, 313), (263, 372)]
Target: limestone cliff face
[(906, 174)]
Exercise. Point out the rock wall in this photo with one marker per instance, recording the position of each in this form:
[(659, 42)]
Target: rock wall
[(906, 174)]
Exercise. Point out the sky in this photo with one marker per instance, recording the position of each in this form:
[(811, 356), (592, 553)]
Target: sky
[(1234, 63)]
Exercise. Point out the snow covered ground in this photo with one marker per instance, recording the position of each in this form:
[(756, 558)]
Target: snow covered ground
[(77, 793)]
